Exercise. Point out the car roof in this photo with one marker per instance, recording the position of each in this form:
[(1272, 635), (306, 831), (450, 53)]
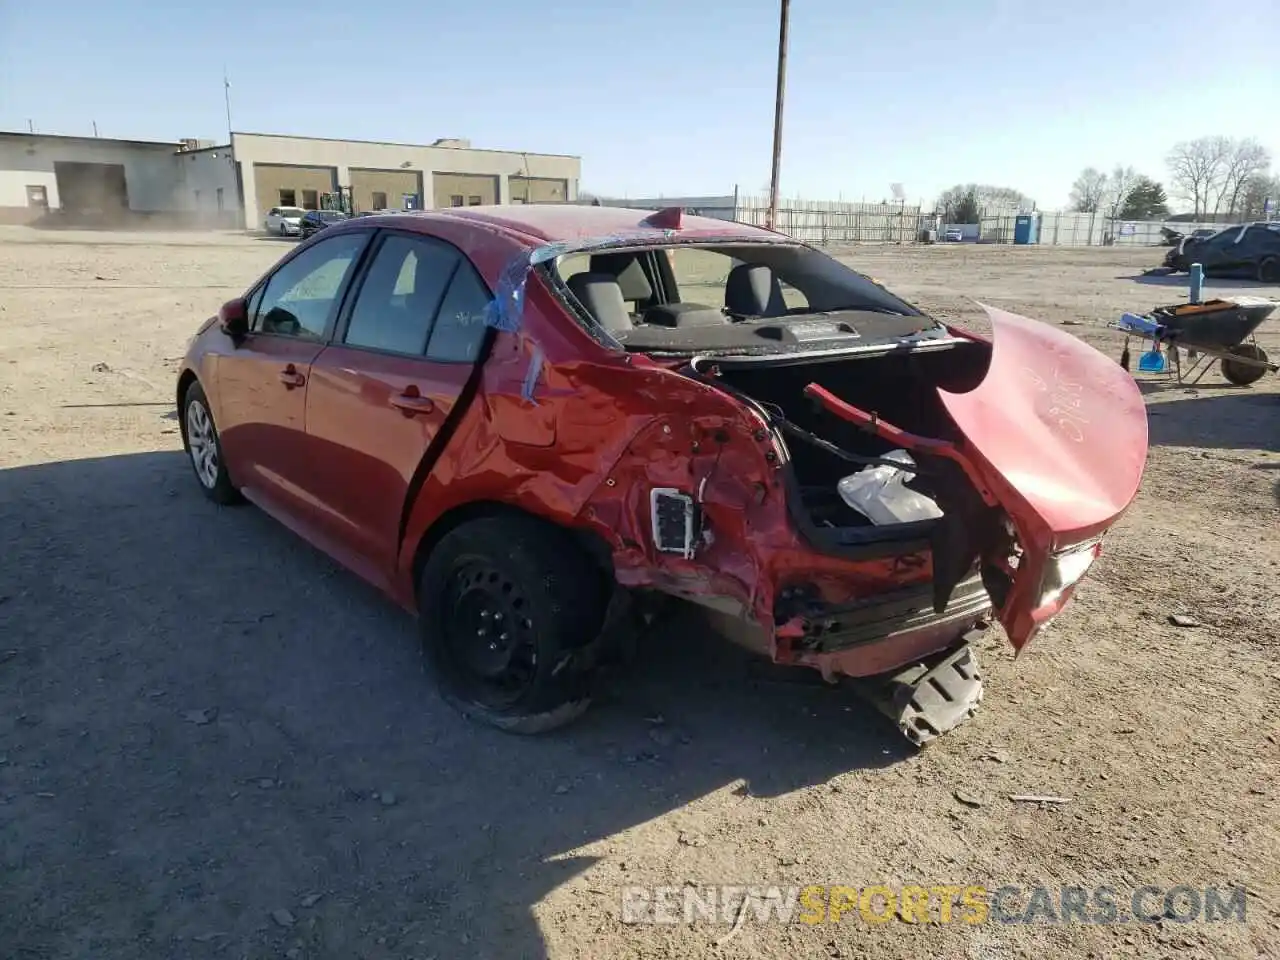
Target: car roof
[(567, 223)]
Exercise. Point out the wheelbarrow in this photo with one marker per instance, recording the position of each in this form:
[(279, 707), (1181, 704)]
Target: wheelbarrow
[(1221, 330)]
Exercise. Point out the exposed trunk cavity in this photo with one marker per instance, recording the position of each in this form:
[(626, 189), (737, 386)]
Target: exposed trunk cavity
[(899, 388)]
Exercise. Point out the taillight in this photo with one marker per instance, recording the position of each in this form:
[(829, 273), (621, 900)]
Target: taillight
[(1064, 570)]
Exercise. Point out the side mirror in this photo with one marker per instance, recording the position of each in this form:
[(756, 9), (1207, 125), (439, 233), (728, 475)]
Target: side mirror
[(233, 317)]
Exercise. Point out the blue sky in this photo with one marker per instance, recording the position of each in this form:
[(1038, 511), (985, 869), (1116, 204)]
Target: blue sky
[(673, 97)]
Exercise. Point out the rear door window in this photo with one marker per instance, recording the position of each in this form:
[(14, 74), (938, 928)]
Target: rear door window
[(401, 294), (460, 327)]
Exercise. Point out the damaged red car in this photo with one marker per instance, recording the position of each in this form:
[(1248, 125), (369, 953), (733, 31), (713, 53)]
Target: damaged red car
[(530, 424)]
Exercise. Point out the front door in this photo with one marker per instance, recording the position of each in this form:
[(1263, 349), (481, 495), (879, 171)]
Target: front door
[(262, 384), (383, 397), (38, 197)]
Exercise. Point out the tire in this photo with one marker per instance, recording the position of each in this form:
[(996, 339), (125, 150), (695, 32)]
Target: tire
[(204, 448), (1269, 270), (543, 600), (1244, 374)]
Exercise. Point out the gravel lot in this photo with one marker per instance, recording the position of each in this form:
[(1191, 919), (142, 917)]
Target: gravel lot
[(214, 743)]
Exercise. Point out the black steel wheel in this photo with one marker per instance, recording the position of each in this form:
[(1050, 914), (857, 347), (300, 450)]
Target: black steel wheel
[(510, 610), (1244, 374)]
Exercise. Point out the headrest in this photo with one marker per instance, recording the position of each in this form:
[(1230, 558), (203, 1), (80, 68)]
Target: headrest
[(626, 269), (752, 291), (602, 297)]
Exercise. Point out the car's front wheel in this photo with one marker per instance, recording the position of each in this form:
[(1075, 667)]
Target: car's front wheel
[(200, 438), (511, 609)]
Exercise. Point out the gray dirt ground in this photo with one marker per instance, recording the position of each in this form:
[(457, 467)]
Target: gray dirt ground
[(202, 721)]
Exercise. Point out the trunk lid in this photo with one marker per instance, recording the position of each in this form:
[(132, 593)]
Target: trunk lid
[(1059, 433), (1053, 438)]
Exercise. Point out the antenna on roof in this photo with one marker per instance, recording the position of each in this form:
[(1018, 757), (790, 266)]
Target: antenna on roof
[(668, 218)]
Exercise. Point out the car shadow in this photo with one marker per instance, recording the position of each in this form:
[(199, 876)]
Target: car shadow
[(218, 742), (1184, 281), (1229, 418)]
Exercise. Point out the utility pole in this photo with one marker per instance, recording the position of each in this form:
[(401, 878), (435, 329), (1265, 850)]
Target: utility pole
[(226, 94), (772, 217)]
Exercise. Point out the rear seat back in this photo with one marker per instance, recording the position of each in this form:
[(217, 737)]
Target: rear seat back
[(601, 294)]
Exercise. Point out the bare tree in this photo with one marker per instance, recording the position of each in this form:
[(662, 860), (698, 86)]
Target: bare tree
[(1088, 191), (1119, 185), (969, 202), (1195, 169), (1244, 160), (1253, 197)]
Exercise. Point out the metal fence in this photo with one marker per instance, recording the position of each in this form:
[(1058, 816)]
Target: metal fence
[(814, 221), (834, 221)]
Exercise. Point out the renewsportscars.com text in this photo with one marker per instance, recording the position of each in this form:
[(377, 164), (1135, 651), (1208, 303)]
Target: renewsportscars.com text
[(939, 903)]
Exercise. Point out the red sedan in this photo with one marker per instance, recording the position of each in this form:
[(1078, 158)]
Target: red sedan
[(528, 424)]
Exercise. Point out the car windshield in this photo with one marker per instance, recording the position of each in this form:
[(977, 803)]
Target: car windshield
[(732, 296), (291, 211)]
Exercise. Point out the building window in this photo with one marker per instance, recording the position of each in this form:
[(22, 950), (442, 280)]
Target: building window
[(455, 200), (220, 206), (288, 198), (310, 200), (379, 201), (474, 201)]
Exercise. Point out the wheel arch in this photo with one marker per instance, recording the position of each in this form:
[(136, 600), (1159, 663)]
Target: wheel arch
[(185, 380), (591, 544)]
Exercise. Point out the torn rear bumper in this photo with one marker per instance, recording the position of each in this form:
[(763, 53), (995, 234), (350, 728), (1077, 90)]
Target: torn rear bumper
[(881, 633), (928, 699)]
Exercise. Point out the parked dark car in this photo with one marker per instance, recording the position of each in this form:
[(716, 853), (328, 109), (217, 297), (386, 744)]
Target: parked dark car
[(1251, 251), (1172, 238), (316, 220)]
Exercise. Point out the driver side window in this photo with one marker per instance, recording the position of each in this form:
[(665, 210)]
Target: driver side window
[(300, 298)]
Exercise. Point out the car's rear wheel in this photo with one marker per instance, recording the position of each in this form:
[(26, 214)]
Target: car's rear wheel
[(1244, 374), (204, 448), (1269, 270), (511, 609)]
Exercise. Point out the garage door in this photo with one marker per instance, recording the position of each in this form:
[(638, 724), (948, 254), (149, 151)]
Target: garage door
[(91, 188), (538, 190), (464, 189), (278, 185), (385, 189)]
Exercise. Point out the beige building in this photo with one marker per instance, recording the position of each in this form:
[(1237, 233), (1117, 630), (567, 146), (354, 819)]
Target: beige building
[(92, 179), (299, 171)]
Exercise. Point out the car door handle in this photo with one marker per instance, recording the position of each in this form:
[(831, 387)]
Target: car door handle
[(411, 403), (290, 377)]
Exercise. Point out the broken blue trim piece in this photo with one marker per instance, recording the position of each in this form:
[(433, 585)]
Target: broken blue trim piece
[(531, 376)]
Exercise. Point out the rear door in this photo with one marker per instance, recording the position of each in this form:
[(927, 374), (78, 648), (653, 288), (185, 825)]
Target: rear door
[(263, 382), (383, 397)]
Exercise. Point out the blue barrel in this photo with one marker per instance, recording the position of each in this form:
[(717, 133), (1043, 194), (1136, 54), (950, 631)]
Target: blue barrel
[(1026, 228)]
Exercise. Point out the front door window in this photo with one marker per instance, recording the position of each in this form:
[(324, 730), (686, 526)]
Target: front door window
[(300, 298)]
